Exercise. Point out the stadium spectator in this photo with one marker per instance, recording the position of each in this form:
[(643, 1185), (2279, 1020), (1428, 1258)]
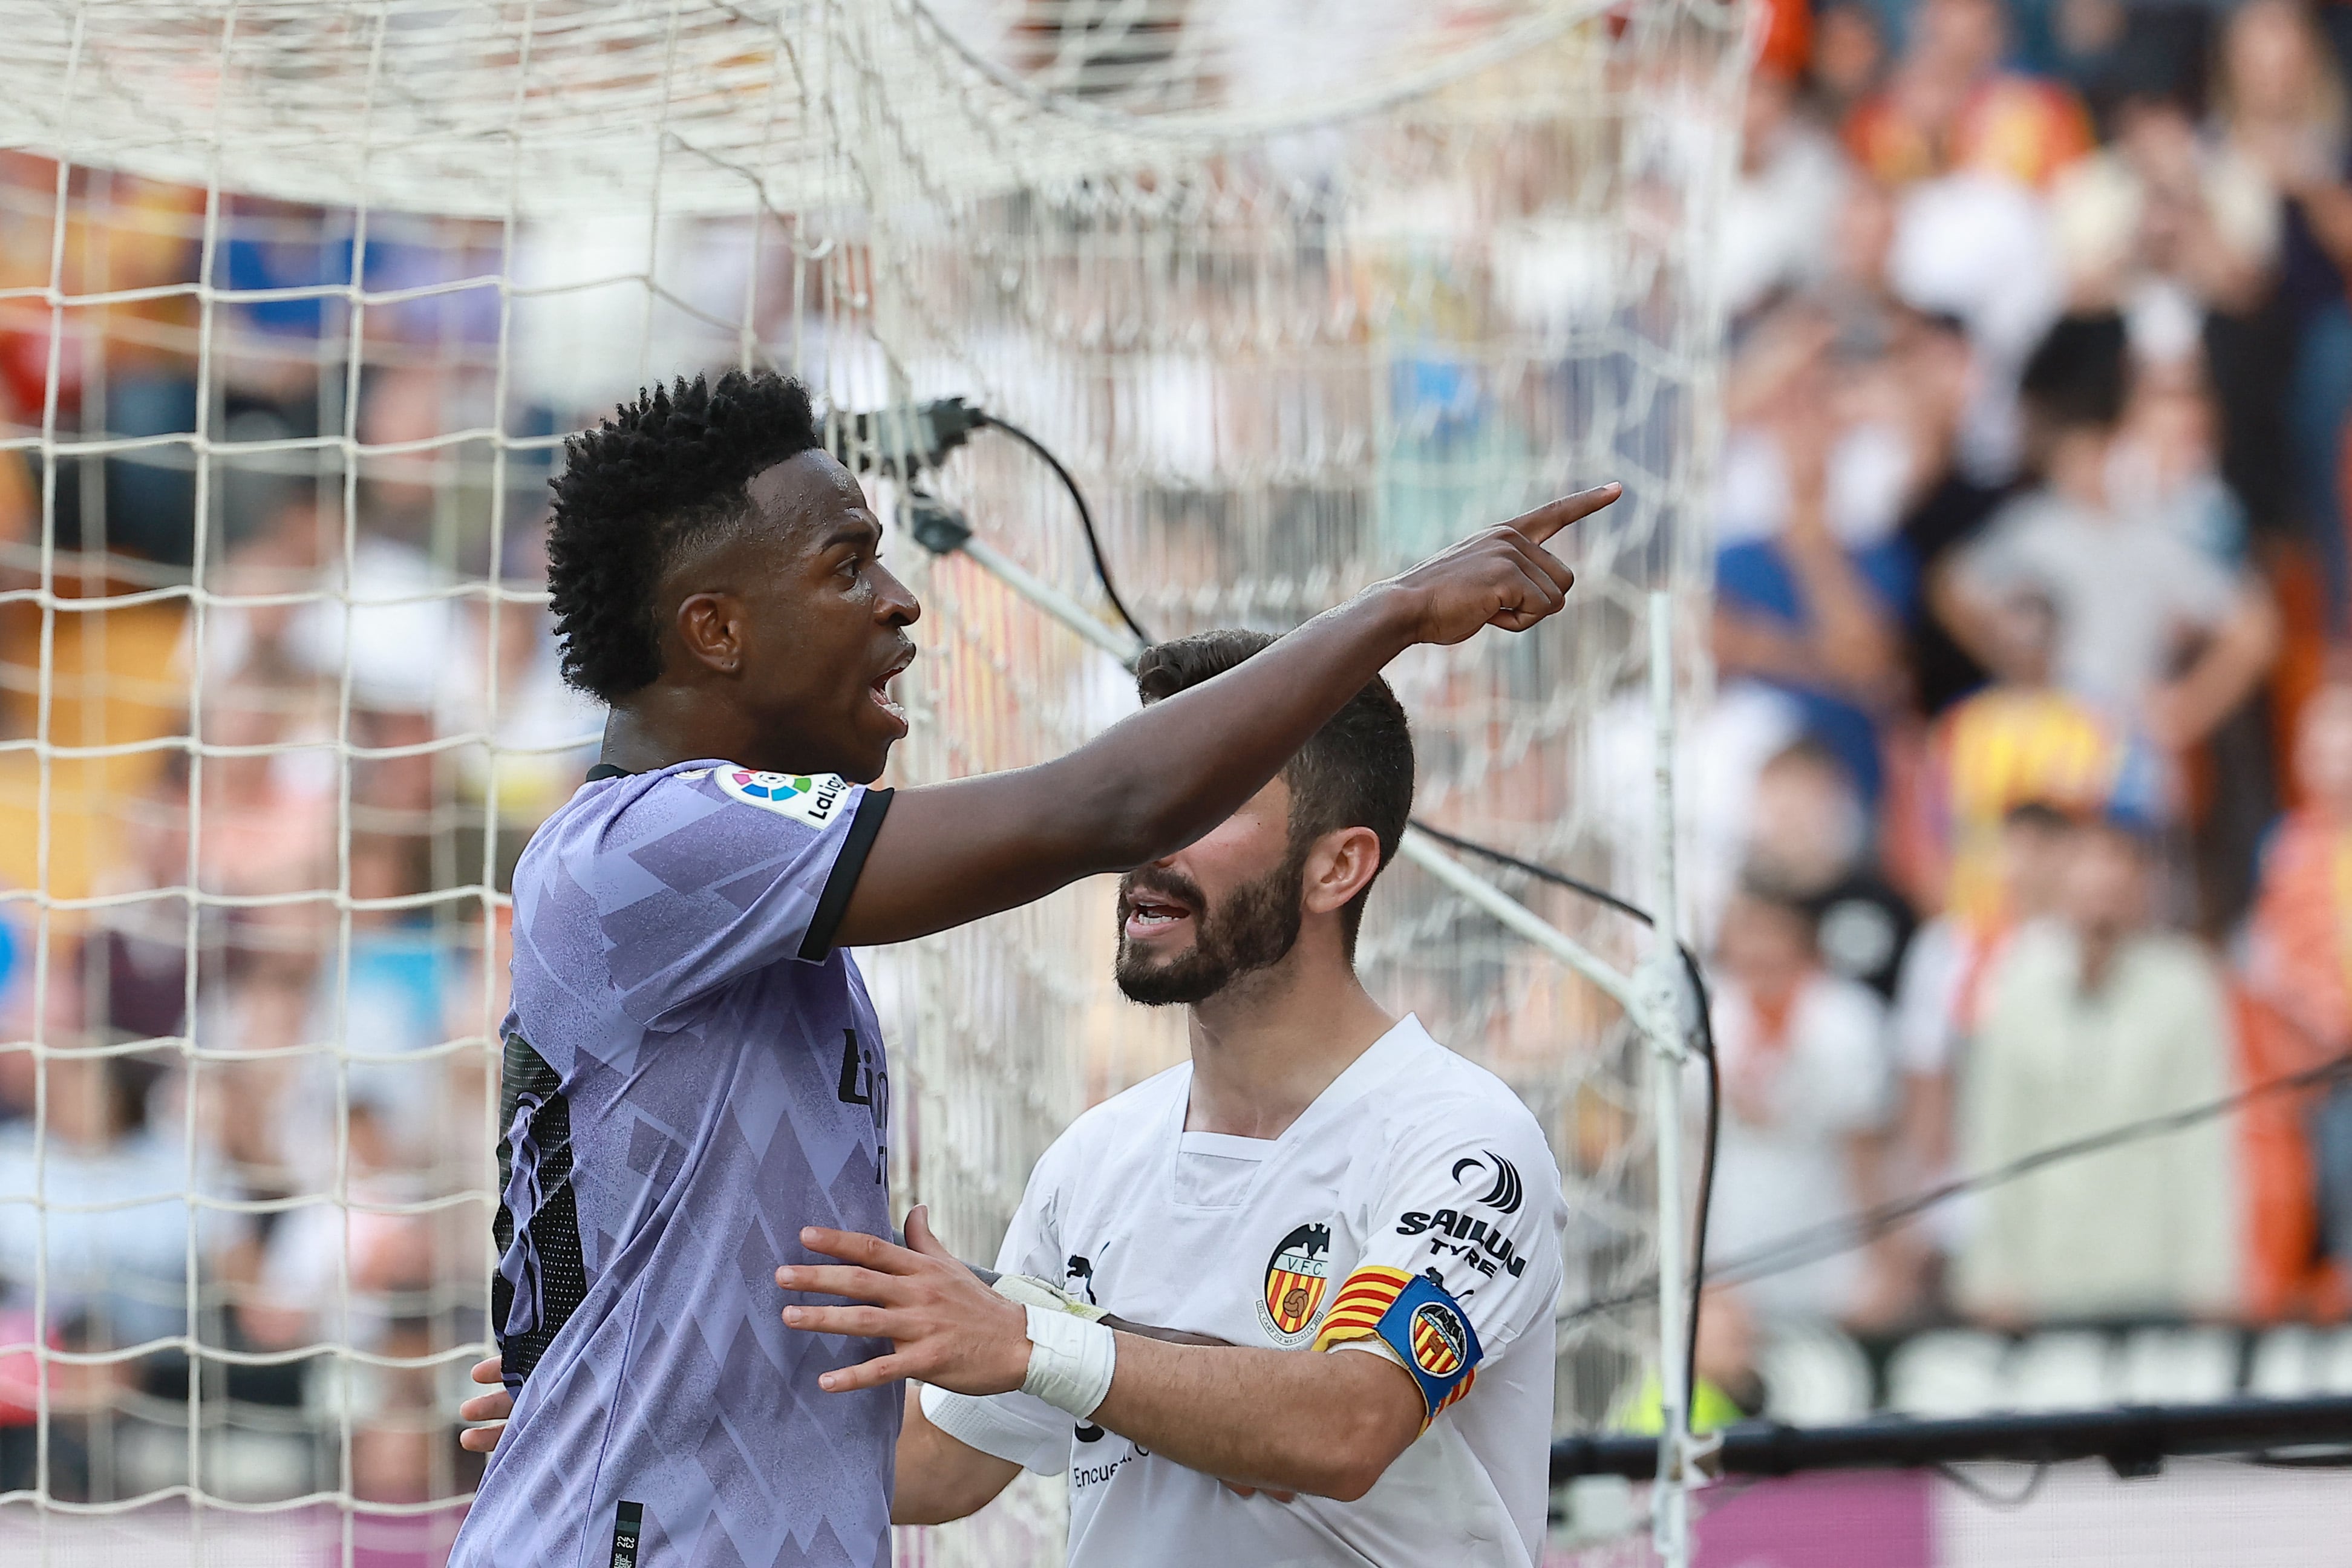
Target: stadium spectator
[(2300, 1150), (1791, 178), (1849, 57), (1936, 367), (1950, 105), (1804, 1072), (2091, 1021), (1851, 285), (1810, 835), (113, 1247), (2149, 628), (1810, 582), (2164, 228), (2282, 106), (2019, 740), (1938, 996), (1729, 1387)]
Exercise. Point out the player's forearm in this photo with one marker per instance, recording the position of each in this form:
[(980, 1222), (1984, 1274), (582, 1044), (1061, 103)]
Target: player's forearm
[(1159, 778), (1149, 784), (1328, 1424), (940, 1478), (2231, 664), (1154, 782)]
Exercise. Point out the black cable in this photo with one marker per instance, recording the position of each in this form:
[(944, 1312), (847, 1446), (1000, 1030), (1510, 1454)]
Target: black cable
[(2007, 1501), (1470, 845), (1828, 1239), (1707, 1054), (1086, 516), (1813, 1243)]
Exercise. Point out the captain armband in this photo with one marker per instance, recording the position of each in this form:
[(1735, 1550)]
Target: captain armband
[(1414, 1318)]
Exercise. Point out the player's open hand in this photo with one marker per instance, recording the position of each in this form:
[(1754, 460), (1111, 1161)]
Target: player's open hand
[(494, 1408), (946, 1327), (1502, 577)]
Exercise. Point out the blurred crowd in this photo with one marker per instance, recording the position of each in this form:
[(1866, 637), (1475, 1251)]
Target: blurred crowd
[(2034, 641), (2033, 632), (353, 642)]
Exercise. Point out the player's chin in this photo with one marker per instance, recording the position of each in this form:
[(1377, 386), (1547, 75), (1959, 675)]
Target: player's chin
[(1144, 970), (869, 753)]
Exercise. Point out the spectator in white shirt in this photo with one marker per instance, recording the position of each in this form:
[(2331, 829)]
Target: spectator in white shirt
[(2092, 1021), (1805, 1095), (2151, 628)]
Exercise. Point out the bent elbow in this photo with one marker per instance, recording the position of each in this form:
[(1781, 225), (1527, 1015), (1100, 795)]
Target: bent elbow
[(1355, 1468), (1350, 1482)]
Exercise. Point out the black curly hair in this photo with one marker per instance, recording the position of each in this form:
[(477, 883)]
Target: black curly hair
[(664, 472)]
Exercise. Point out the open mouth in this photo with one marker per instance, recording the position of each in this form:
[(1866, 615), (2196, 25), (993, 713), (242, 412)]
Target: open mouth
[(1151, 914), (880, 689)]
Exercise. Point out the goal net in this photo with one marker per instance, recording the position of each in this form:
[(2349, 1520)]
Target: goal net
[(296, 301)]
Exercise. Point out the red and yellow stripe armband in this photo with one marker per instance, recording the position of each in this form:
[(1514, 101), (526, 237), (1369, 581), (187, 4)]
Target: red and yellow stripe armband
[(1415, 1317)]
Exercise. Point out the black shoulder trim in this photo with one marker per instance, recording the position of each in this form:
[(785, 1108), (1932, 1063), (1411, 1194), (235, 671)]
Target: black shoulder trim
[(846, 868), (605, 770)]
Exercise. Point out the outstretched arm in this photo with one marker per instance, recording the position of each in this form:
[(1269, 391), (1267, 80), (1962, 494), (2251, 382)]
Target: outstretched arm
[(949, 854), (1325, 1423)]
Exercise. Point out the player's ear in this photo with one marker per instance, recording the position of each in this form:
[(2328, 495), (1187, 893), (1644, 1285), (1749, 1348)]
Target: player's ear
[(711, 627), (1339, 865)]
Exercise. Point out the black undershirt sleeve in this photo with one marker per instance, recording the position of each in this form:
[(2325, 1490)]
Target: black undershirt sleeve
[(846, 869)]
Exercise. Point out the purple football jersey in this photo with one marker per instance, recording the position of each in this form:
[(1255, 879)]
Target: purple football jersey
[(691, 1074)]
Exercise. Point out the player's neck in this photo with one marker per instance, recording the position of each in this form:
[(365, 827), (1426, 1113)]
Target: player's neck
[(1265, 1046), (662, 726)]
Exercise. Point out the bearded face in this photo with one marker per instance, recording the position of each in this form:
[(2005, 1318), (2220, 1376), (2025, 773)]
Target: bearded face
[(1176, 947)]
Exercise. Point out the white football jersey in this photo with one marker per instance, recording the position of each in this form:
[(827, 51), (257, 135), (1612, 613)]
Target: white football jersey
[(1415, 1199)]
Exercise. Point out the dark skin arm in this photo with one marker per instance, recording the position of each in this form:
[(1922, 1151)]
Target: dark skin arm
[(949, 854), (778, 639)]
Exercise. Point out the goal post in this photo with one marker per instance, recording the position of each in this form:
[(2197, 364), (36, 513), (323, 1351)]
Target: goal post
[(297, 302)]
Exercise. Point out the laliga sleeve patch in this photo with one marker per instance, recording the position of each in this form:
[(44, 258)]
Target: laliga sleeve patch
[(812, 799), (1421, 1321)]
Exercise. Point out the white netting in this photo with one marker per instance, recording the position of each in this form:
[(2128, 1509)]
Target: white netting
[(296, 299)]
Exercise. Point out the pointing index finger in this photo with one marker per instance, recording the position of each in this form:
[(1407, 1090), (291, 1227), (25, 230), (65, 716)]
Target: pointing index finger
[(1552, 516)]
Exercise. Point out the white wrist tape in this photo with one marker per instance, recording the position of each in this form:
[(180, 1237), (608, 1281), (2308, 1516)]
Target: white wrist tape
[(1070, 1361)]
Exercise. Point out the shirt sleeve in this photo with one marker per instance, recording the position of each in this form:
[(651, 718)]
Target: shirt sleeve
[(1017, 1428), (2002, 560), (2204, 589), (1462, 1252), (1927, 992), (710, 873)]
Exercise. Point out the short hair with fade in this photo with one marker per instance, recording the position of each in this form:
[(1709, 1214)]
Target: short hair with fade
[(1355, 772), (665, 473)]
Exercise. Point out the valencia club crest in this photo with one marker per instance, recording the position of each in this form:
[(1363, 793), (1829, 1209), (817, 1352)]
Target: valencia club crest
[(1295, 1278), (1439, 1344)]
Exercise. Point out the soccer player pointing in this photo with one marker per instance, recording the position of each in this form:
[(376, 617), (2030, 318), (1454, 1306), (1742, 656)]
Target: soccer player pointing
[(1320, 1176), (693, 1073)]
